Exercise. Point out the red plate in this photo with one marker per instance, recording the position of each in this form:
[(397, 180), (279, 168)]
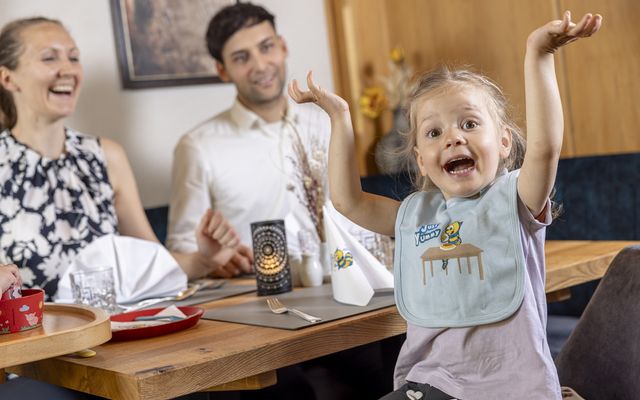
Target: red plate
[(193, 315)]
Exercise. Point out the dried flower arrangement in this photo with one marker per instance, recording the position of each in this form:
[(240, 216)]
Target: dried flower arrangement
[(310, 170)]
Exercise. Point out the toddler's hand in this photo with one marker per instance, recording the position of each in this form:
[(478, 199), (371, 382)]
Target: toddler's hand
[(9, 275), (331, 103), (555, 34)]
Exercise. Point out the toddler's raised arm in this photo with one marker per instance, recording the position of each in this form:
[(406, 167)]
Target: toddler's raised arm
[(545, 126), (376, 213)]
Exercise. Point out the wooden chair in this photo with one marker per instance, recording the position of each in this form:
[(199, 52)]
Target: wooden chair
[(601, 359)]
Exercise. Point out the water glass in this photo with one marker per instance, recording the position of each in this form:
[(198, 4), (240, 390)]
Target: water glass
[(95, 288), (380, 246), (383, 250)]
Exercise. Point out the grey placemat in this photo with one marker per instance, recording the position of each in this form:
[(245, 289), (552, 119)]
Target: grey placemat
[(207, 295), (317, 301)]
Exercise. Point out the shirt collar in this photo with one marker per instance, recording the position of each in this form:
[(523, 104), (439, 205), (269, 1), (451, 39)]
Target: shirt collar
[(247, 119)]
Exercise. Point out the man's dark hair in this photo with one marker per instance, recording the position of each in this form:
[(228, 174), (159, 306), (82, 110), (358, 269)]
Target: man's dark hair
[(231, 19)]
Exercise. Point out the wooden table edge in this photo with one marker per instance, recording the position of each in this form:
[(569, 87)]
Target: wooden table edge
[(591, 270), (256, 366)]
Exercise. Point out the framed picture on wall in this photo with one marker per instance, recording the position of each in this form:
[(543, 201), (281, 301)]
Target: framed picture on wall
[(162, 42)]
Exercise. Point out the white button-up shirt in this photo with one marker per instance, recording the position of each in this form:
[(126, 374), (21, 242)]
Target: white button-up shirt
[(246, 168)]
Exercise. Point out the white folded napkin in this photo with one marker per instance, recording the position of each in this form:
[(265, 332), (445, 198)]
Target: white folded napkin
[(142, 269), (355, 273)]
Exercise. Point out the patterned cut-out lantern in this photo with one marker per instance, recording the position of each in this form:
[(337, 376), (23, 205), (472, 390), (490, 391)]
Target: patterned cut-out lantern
[(271, 261)]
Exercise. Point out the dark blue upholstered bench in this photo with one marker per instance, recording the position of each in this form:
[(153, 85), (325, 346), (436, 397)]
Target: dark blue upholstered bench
[(601, 198), (159, 219)]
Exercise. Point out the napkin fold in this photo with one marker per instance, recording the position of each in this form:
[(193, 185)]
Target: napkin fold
[(142, 269), (355, 272)]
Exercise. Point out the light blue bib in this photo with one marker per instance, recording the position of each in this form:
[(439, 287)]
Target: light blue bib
[(460, 262)]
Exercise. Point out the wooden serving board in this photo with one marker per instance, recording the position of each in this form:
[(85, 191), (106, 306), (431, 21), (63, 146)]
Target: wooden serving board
[(66, 328)]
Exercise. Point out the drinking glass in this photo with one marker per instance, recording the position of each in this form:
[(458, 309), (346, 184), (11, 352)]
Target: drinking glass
[(95, 288), (383, 250), (380, 246)]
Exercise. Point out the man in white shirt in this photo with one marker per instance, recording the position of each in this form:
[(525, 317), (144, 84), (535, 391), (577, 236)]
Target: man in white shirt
[(242, 161)]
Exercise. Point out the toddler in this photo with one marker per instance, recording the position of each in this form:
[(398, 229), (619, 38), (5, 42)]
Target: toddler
[(469, 273)]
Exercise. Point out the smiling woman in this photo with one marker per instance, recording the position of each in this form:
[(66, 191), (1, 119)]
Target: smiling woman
[(47, 78), (61, 189)]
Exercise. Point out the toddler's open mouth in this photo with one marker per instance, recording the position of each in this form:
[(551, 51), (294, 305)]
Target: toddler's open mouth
[(459, 165)]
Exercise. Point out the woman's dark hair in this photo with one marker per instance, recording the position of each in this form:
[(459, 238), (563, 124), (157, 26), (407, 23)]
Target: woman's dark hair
[(11, 47), (231, 19)]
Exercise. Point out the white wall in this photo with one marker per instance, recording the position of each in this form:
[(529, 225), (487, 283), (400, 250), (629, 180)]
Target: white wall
[(149, 122)]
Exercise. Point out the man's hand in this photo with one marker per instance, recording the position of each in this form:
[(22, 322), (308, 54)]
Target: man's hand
[(240, 263), (217, 240), (555, 34)]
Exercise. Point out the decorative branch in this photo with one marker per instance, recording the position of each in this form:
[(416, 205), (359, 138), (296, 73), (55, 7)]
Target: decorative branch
[(310, 168)]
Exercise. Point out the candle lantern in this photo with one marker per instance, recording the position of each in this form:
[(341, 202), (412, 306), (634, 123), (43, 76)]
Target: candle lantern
[(271, 261)]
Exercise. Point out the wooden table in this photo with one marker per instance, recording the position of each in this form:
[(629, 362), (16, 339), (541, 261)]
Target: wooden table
[(572, 262), (65, 329), (234, 356)]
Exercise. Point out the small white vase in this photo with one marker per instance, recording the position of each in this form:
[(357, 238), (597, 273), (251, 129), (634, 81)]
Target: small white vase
[(311, 272)]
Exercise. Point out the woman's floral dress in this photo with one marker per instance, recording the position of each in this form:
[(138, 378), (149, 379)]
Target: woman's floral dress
[(51, 209)]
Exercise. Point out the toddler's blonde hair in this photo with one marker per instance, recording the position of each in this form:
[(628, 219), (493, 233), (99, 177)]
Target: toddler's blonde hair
[(443, 78)]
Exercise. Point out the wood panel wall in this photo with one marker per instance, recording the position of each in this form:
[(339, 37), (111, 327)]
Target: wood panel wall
[(604, 80), (599, 79)]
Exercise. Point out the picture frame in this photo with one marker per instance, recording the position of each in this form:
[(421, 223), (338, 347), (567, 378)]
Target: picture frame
[(162, 43)]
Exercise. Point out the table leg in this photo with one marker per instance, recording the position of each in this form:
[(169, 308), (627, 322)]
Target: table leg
[(480, 270), (424, 274), (469, 264), (259, 381), (559, 295), (459, 266)]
